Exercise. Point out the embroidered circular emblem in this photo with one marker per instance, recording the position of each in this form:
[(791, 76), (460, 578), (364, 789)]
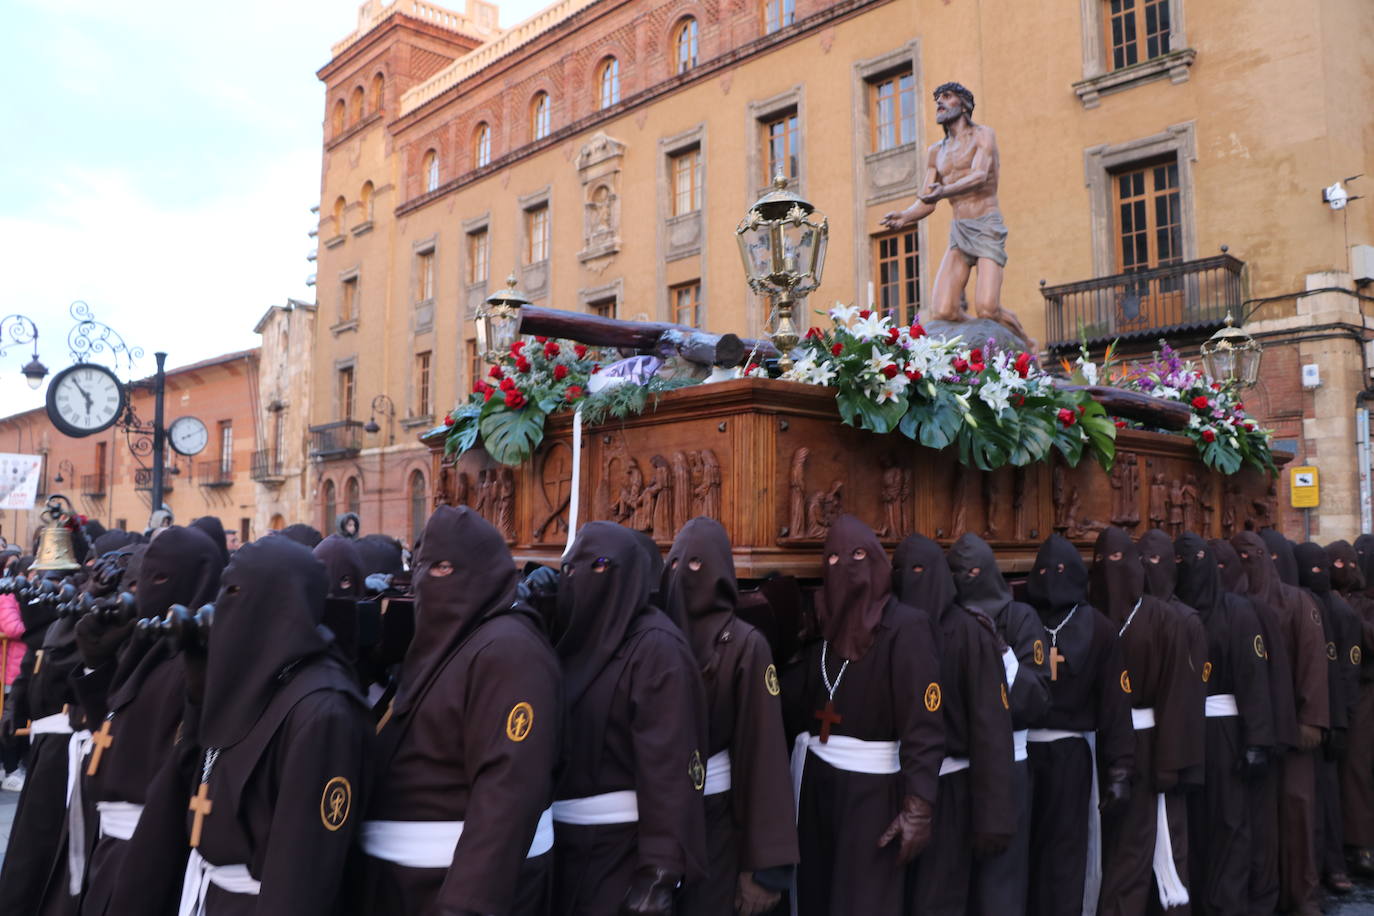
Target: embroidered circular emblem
[(1206, 672), (1355, 655), (1006, 704), (770, 680), (519, 722), (1039, 652), (697, 771), (933, 697), (1125, 682), (335, 803), (1259, 646), (1316, 616), (1331, 651)]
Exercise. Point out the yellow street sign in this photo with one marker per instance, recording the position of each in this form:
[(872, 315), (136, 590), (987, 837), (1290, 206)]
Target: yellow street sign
[(1303, 487)]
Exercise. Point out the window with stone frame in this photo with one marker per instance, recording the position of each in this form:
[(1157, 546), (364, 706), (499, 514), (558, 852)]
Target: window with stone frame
[(780, 145), (339, 206), (892, 110), (481, 146), (608, 82), (540, 116), (378, 91), (424, 406), (472, 365), (424, 275), (347, 403), (479, 256), (365, 201), (537, 234), (685, 45), (331, 505), (419, 506), (897, 274), (602, 308), (1137, 30), (353, 496), (340, 114), (685, 168), (356, 114), (429, 169), (686, 302), (348, 299), (778, 14), (1147, 203)]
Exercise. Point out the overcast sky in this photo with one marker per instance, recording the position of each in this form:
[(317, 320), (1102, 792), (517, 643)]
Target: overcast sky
[(160, 163)]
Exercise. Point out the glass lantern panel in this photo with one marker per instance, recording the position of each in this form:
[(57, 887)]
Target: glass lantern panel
[(1248, 371), (505, 328), (483, 333), (1221, 364), (756, 252)]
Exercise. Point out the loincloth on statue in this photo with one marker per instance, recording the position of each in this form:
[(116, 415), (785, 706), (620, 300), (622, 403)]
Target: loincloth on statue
[(980, 237)]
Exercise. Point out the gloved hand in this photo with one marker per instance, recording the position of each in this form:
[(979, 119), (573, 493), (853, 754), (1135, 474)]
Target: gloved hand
[(1253, 763), (98, 641), (650, 894), (1118, 790), (752, 898), (913, 825), (987, 845), (1309, 737)]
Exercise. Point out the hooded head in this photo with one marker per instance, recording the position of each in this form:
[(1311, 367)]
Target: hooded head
[(1262, 578), (464, 573), (977, 580), (380, 554), (302, 534), (1314, 568), (1059, 580), (340, 557), (1234, 578), (1364, 550), (267, 620), (1156, 551), (855, 585), (1199, 578), (698, 584), (605, 585), (1346, 575), (655, 558), (921, 576), (1282, 553), (214, 529), (1117, 578), (114, 540), (180, 566)]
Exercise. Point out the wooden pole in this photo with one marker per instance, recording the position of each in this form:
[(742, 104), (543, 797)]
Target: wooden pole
[(662, 339)]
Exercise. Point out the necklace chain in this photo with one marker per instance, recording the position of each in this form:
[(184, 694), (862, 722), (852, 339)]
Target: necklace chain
[(825, 675), (1054, 631), (1127, 625), (211, 755)]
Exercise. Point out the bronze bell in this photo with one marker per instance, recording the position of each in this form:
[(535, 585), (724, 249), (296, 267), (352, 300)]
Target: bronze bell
[(55, 540)]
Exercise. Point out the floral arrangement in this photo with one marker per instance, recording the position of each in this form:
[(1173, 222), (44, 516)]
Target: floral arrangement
[(996, 406)]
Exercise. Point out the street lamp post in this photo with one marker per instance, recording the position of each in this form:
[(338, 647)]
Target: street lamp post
[(385, 406), (20, 329)]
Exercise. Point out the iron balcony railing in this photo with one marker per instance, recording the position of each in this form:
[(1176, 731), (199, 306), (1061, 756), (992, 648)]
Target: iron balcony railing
[(1181, 298), (267, 466), (340, 439), (143, 479), (93, 485), (215, 473)]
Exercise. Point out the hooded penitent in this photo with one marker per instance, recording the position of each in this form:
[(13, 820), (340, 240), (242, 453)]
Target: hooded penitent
[(1234, 577), (605, 585), (303, 534), (1157, 556), (1199, 579), (1059, 580), (214, 529), (1281, 550), (1117, 578), (1314, 569), (856, 583), (114, 540), (1364, 552), (921, 576), (267, 620), (181, 566), (340, 557), (1261, 575), (977, 580), (380, 554), (448, 607), (698, 585), (1346, 575)]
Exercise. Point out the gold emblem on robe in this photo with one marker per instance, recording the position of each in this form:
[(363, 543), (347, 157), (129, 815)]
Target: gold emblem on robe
[(933, 698), (335, 803), (1259, 646), (1039, 652), (1355, 655), (770, 680), (1331, 651), (1206, 672), (697, 771), (1006, 703), (519, 722), (1125, 682)]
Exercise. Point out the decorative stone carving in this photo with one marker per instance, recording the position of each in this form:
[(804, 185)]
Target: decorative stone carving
[(1159, 500), (812, 513), (555, 475), (1125, 479), (598, 168), (896, 494), (1176, 500), (504, 494)]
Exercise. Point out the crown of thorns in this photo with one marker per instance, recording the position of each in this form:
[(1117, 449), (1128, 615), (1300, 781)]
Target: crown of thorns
[(958, 89)]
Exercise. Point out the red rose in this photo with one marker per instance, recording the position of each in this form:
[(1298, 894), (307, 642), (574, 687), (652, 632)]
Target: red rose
[(515, 400), (960, 364), (495, 372), (1200, 402), (917, 330), (1249, 426), (893, 335), (550, 350), (516, 347), (560, 372), (1082, 409), (580, 350), (977, 366), (836, 349), (914, 374), (507, 384), (542, 339), (975, 355), (1239, 406), (1023, 365), (1018, 399), (486, 395), (1067, 417), (890, 371), (573, 393), (596, 367), (1216, 386), (522, 364), (865, 313), (813, 333), (448, 419), (478, 387), (1208, 436), (1120, 424)]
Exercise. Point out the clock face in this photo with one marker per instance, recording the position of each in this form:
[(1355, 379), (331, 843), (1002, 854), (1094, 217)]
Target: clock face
[(85, 399), (188, 436)]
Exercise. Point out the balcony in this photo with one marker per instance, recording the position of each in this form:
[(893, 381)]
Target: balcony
[(340, 439), (1190, 297), (267, 468), (93, 485), (143, 479), (216, 473)]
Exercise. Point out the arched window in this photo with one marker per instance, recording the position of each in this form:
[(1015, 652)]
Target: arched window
[(331, 506), (353, 497), (685, 43), (378, 87), (608, 78), (539, 116), (356, 114), (340, 111), (481, 145), (339, 204), (429, 168), (419, 506), (365, 200)]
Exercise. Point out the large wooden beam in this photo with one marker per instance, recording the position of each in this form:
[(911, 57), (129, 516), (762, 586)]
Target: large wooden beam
[(1135, 405), (656, 337)]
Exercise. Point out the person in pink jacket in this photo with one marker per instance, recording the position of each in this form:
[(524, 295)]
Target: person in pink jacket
[(12, 650)]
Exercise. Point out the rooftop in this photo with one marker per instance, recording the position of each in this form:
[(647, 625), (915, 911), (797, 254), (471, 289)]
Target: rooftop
[(480, 19)]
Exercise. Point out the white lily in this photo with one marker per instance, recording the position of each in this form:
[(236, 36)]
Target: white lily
[(843, 314), (878, 362), (874, 325), (824, 373)]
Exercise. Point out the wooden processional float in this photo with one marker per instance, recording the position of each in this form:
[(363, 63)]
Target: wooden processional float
[(772, 461)]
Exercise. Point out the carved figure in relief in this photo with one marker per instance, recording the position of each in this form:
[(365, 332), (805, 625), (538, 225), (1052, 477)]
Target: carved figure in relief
[(1229, 497), (504, 485), (894, 499), (796, 493), (822, 508), (992, 495), (485, 494), (1175, 523), (1019, 479), (627, 509), (1265, 507), (462, 489), (682, 489), (1191, 504), (658, 496), (1059, 485), (708, 492), (556, 476), (1159, 498), (1207, 507), (958, 523), (1125, 481)]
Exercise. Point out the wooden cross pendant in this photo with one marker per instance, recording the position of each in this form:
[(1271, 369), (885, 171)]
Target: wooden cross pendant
[(201, 805), (827, 718), (100, 742), (1055, 659)]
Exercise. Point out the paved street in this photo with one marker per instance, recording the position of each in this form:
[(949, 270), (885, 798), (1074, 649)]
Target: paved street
[(8, 802)]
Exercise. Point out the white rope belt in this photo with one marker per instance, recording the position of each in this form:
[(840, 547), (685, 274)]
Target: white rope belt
[(717, 774), (118, 819), (1011, 665), (431, 844), (1046, 735), (77, 746), (1221, 705), (1018, 744), (844, 753), (56, 724), (953, 765), (595, 810), (1142, 719), (1172, 890), (200, 874)]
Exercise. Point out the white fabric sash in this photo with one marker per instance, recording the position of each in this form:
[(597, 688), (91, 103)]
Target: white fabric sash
[(431, 844), (118, 819), (1142, 719), (77, 747), (1092, 876), (1222, 705), (1011, 664), (595, 810), (59, 723), (1046, 735), (1172, 890), (200, 874), (717, 774), (1018, 744), (953, 765)]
